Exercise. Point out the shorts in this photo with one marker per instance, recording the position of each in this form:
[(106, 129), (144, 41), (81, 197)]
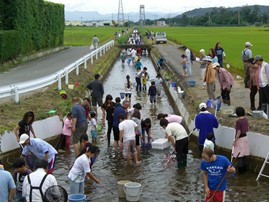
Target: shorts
[(116, 133), (79, 131), (129, 148), (219, 196), (137, 140), (94, 133), (153, 99), (96, 100)]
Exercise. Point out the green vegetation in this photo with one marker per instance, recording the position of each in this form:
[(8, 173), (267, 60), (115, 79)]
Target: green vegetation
[(232, 40), (79, 36), (39, 24)]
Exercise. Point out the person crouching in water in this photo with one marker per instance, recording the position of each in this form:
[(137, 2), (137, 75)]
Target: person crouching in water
[(81, 170), (127, 138), (177, 135)]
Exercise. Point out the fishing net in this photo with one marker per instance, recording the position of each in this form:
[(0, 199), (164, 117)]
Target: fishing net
[(56, 193)]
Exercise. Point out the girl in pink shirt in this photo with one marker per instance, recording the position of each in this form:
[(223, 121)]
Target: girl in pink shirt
[(67, 130), (170, 118)]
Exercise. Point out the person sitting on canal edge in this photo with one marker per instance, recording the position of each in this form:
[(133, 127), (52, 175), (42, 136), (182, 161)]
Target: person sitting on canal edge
[(177, 135), (214, 168)]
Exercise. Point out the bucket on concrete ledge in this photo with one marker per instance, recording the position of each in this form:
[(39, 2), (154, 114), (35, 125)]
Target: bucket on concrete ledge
[(133, 191), (173, 84), (121, 185), (77, 198)]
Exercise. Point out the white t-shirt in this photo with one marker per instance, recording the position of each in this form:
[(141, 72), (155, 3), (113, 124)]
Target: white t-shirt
[(79, 169), (128, 126), (93, 124), (133, 53), (176, 130)]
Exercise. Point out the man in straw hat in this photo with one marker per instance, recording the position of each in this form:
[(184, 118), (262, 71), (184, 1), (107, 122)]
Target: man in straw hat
[(214, 168), (246, 55)]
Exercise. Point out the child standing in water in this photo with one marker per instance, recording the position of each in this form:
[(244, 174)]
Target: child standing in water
[(152, 92), (128, 88), (93, 126), (184, 64), (144, 81), (67, 131)]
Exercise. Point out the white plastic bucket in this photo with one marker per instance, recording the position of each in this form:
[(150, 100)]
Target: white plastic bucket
[(133, 191), (121, 185)]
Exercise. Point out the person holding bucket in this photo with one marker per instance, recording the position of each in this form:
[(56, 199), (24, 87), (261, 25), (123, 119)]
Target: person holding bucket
[(81, 170)]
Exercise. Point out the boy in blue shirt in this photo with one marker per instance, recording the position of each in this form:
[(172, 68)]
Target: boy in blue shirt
[(214, 167)]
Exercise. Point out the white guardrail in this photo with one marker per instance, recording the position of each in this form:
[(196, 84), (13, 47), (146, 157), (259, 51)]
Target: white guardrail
[(23, 87)]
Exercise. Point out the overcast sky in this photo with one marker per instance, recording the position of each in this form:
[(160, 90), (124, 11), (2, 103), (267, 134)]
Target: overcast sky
[(166, 6)]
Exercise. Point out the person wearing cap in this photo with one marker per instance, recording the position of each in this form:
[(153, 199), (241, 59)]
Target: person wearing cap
[(7, 185), (205, 122), (210, 78), (203, 65), (188, 60), (177, 135), (263, 81), (214, 168), (97, 92), (246, 54), (40, 148), (226, 82), (254, 83)]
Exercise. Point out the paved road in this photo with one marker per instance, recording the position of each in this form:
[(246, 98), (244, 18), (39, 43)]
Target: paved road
[(239, 94), (43, 66)]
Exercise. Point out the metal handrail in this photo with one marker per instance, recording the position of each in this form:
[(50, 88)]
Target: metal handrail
[(23, 87)]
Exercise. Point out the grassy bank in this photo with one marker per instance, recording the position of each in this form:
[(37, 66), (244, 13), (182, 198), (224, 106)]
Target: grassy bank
[(231, 38), (48, 98), (79, 36)]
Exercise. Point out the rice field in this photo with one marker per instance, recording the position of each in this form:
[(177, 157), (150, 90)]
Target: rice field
[(232, 40)]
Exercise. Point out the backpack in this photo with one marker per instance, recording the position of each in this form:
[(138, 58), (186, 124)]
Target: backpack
[(36, 188), (192, 56)]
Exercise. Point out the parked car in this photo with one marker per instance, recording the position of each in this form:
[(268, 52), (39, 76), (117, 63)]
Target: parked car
[(161, 37)]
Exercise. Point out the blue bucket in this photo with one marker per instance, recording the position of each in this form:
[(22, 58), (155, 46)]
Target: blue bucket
[(122, 95), (77, 198), (173, 84), (191, 83)]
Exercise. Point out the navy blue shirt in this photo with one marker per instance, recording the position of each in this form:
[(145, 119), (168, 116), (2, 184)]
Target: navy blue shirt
[(79, 113), (216, 171), (219, 53), (116, 113)]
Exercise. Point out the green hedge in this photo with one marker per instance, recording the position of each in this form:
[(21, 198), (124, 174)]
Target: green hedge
[(40, 24), (8, 44)]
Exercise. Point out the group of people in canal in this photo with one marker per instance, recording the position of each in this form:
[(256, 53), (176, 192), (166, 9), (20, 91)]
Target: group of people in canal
[(131, 133)]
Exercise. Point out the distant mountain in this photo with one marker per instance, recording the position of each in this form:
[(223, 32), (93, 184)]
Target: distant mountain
[(92, 15), (203, 11)]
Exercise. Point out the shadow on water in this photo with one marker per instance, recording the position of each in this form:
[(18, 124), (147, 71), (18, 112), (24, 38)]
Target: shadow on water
[(159, 183)]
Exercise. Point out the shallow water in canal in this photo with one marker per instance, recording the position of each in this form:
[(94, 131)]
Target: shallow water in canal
[(158, 183)]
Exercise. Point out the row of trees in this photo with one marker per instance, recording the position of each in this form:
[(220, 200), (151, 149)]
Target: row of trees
[(248, 15), (29, 25)]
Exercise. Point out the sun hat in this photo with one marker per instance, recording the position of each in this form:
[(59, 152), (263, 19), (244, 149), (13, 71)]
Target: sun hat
[(257, 58), (23, 138), (208, 58), (216, 64), (248, 44), (202, 105)]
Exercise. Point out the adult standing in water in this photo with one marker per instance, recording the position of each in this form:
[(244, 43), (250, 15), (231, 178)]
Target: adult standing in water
[(108, 109), (214, 168), (121, 110), (25, 125), (139, 79), (95, 42), (79, 124), (97, 92)]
